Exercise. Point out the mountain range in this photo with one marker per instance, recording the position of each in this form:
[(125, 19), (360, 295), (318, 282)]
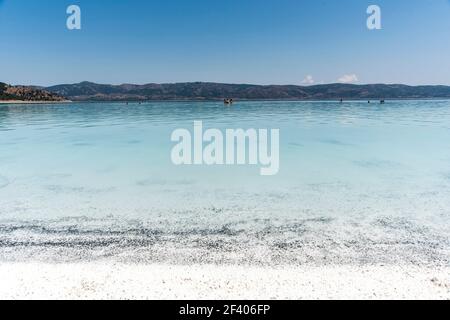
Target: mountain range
[(217, 91), (88, 91)]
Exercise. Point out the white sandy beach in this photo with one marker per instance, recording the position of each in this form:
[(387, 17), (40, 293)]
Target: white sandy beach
[(98, 281)]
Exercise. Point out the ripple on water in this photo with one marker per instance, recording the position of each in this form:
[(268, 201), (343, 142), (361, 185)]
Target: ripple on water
[(377, 164), (336, 142), (163, 182), (63, 189), (4, 182)]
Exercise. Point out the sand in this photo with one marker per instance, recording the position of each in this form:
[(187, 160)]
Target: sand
[(120, 281)]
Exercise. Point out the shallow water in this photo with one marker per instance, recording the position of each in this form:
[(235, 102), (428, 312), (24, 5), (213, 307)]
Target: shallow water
[(358, 183)]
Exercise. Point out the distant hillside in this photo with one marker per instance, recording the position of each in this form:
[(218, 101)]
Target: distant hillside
[(87, 91), (22, 93)]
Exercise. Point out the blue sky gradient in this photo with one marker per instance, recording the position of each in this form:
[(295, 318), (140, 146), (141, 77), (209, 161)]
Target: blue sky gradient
[(234, 41)]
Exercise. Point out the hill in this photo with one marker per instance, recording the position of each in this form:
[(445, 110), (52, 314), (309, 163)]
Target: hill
[(27, 94), (88, 91)]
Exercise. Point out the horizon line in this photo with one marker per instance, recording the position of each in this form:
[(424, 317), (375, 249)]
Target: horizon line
[(230, 83)]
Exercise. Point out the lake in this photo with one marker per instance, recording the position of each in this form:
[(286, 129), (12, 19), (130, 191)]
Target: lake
[(358, 183)]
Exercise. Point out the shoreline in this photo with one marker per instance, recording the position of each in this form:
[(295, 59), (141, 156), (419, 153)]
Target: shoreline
[(101, 281), (374, 101), (32, 102)]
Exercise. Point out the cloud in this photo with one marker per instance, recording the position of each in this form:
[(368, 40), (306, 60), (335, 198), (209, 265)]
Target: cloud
[(348, 78), (308, 80)]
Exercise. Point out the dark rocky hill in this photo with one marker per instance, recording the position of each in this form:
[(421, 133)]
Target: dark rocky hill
[(23, 93)]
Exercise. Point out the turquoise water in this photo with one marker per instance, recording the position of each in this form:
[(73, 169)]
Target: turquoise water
[(358, 183)]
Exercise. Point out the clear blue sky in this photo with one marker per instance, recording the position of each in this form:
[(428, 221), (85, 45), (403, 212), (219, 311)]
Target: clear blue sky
[(237, 41)]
